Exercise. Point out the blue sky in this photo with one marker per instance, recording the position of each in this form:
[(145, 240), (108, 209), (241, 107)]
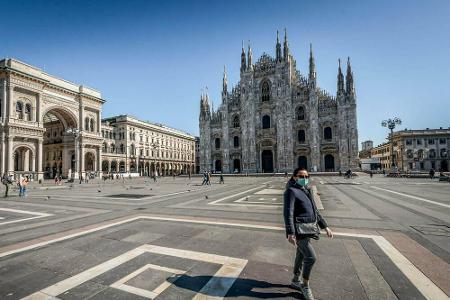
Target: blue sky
[(152, 58)]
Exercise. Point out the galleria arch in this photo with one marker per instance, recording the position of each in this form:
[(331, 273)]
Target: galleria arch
[(42, 124)]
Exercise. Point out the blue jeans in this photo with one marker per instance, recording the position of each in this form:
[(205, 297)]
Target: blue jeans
[(21, 191)]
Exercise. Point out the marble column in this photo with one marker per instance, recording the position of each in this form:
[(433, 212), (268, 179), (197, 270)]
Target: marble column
[(10, 109), (99, 161), (40, 154), (3, 154), (82, 151), (26, 159), (3, 115), (10, 157), (33, 162)]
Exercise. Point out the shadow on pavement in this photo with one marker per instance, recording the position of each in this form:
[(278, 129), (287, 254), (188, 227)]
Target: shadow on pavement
[(242, 287)]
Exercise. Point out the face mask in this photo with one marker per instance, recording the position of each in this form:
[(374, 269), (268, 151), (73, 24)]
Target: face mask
[(303, 181)]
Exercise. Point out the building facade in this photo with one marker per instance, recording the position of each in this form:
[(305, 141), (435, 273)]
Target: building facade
[(197, 155), (422, 150), (48, 125), (276, 119), (382, 153), (142, 148)]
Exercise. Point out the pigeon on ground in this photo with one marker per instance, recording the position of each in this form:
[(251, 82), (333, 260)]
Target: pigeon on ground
[(99, 191), (206, 196), (246, 198), (48, 197)]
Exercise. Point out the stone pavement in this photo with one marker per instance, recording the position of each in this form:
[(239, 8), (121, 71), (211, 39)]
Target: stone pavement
[(176, 239)]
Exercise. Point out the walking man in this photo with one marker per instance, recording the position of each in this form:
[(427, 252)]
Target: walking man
[(6, 181), (221, 181)]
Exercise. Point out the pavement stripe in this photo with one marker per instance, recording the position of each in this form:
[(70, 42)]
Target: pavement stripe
[(426, 287), (412, 197), (432, 266), (234, 195), (371, 279)]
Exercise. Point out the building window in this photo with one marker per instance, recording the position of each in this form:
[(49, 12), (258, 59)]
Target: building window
[(443, 152), (122, 148), (265, 91), (236, 142), (420, 154), (86, 124), (301, 136), (217, 143), (430, 141), (419, 142), (432, 153), (19, 110), (28, 112), (327, 133), (433, 165), (266, 122), (236, 122), (91, 123), (408, 142), (300, 113), (409, 154), (442, 141), (113, 148), (105, 148)]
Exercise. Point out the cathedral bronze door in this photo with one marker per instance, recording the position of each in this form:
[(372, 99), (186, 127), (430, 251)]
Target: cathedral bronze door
[(303, 162), (329, 163), (267, 161)]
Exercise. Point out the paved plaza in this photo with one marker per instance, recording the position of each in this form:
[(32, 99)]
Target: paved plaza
[(176, 239)]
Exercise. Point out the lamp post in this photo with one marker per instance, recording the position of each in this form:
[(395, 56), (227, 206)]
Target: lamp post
[(391, 123), (154, 147), (75, 132)]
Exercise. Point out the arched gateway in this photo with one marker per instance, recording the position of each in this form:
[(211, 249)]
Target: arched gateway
[(45, 118)]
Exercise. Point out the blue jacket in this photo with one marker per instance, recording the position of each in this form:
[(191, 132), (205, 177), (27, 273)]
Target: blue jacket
[(299, 207)]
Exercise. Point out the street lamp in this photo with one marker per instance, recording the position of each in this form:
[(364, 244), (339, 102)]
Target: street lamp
[(391, 123), (75, 132), (154, 147)]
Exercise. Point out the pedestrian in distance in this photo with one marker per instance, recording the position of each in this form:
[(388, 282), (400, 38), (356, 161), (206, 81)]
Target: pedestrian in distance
[(221, 181), (204, 178), (6, 181), (302, 221), (20, 185), (208, 178), (25, 182), (371, 173), (432, 172)]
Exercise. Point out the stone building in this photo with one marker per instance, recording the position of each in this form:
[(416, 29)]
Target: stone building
[(143, 148), (382, 152), (422, 150), (275, 119), (197, 155), (48, 125)]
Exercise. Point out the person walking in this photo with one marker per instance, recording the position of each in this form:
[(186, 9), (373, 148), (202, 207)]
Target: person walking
[(432, 172), (221, 181), (302, 221), (205, 179), (6, 181), (208, 178), (25, 182)]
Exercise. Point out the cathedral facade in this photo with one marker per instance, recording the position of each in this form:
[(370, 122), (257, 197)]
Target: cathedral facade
[(276, 119)]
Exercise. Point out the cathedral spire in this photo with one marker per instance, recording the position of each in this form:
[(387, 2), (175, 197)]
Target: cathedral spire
[(224, 82), (278, 48), (312, 68), (350, 89), (250, 57), (285, 46), (243, 59), (340, 80)]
